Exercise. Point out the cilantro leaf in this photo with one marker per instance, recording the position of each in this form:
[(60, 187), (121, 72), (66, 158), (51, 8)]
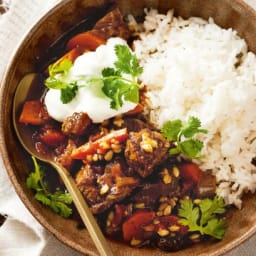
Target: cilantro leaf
[(127, 62), (62, 197), (61, 208), (41, 197), (190, 215), (204, 217), (175, 151), (182, 136), (58, 80), (57, 75), (118, 90), (54, 83), (57, 201), (215, 228), (171, 129), (113, 89), (132, 94), (110, 72), (192, 127), (68, 93), (210, 207), (35, 177), (117, 87), (62, 68), (191, 148)]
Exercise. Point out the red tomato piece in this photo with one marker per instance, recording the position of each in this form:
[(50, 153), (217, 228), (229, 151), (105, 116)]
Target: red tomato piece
[(190, 172), (133, 226)]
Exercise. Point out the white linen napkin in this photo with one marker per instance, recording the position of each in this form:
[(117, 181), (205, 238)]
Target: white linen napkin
[(21, 234)]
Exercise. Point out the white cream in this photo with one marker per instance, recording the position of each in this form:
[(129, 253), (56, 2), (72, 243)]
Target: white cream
[(89, 99)]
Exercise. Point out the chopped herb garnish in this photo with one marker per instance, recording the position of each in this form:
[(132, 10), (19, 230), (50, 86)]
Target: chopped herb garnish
[(58, 80), (57, 201), (69, 92), (127, 62), (183, 136), (204, 217), (62, 68), (116, 84)]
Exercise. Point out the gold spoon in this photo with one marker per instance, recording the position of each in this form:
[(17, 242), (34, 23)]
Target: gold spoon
[(78, 200)]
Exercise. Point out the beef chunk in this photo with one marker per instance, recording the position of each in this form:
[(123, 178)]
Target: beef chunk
[(135, 124), (144, 150), (86, 180), (112, 25), (77, 124), (206, 186), (173, 241), (166, 184), (195, 181), (50, 136), (103, 189)]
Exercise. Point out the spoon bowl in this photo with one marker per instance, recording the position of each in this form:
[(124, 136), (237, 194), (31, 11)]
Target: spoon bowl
[(25, 139)]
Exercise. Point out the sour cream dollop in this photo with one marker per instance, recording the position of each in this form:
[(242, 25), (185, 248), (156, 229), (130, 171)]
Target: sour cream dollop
[(89, 99)]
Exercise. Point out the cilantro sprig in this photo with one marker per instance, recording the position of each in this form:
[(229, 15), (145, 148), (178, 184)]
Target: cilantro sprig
[(119, 82), (183, 136), (115, 85), (57, 201), (127, 62), (58, 79), (204, 217)]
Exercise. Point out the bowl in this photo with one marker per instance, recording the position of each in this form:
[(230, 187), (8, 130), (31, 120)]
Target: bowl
[(29, 56)]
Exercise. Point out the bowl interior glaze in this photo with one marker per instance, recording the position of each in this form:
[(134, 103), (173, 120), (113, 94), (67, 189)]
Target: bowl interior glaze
[(30, 55)]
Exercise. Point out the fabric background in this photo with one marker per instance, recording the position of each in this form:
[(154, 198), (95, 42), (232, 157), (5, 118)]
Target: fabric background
[(21, 234)]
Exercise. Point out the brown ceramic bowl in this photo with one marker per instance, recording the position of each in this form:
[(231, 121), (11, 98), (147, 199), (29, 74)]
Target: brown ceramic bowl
[(31, 53)]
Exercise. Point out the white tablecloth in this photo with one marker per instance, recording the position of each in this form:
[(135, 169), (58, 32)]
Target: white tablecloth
[(21, 234)]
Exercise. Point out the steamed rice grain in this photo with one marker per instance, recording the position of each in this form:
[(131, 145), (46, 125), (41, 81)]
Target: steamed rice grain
[(195, 68)]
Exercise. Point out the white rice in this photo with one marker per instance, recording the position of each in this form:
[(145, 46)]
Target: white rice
[(195, 68)]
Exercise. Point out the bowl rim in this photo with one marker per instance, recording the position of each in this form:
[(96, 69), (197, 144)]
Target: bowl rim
[(3, 143)]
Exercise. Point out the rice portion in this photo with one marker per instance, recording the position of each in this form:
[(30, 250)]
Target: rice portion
[(195, 68)]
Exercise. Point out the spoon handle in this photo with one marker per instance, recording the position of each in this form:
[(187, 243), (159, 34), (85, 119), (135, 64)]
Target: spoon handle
[(84, 211)]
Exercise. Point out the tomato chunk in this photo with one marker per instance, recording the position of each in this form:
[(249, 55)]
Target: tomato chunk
[(190, 172), (88, 40), (34, 113), (133, 226)]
